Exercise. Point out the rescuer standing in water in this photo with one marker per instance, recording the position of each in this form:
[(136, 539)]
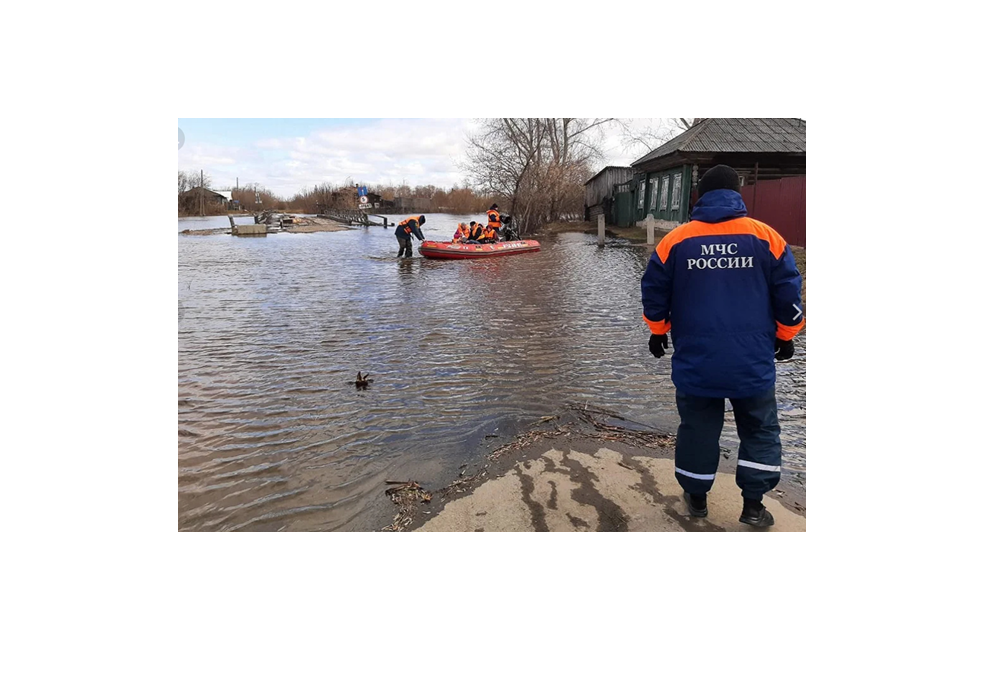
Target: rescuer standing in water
[(404, 232)]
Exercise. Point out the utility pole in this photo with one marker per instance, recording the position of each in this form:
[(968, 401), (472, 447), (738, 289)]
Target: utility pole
[(202, 196)]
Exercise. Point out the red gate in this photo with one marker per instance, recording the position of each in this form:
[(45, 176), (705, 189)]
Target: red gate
[(781, 204)]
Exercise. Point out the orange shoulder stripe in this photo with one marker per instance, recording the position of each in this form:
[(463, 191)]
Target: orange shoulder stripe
[(741, 225), (672, 239)]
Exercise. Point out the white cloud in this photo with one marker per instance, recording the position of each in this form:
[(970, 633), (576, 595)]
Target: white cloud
[(416, 151)]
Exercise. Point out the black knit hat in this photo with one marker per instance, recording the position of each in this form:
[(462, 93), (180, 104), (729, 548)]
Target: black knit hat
[(422, 219), (494, 207), (719, 177)]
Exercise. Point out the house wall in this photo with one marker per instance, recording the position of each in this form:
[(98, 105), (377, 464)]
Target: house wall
[(600, 193), (661, 188), (601, 186)]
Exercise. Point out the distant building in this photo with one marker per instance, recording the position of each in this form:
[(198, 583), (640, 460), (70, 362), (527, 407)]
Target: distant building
[(412, 204), (600, 190), (211, 197), (768, 153)]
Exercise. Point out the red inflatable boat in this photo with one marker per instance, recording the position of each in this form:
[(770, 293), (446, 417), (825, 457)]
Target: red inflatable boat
[(451, 250)]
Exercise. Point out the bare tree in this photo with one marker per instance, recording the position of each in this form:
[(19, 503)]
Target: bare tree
[(685, 123), (324, 197), (535, 164), (652, 133), (192, 179)]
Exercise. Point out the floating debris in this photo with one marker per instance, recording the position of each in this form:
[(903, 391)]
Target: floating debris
[(406, 495), (647, 439), (545, 419), (362, 381)]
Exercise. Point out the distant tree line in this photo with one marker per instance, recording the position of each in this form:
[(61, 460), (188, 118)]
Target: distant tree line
[(327, 196)]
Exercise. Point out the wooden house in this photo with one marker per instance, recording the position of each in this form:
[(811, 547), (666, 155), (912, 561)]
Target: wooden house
[(761, 150)]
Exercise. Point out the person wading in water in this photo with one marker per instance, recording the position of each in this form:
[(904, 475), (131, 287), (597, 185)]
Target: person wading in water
[(404, 232)]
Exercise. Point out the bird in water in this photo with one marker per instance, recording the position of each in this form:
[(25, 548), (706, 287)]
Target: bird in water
[(362, 381)]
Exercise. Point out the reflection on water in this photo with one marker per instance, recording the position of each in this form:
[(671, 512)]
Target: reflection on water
[(273, 435), (212, 222)]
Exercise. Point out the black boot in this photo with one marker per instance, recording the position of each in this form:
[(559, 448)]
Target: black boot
[(697, 505), (756, 514)]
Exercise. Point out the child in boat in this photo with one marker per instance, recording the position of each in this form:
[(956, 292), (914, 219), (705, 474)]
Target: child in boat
[(477, 233)]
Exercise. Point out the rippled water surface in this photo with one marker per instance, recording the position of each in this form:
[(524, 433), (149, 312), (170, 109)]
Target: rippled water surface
[(273, 435)]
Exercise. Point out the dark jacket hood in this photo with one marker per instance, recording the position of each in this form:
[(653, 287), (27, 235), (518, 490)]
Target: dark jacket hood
[(719, 205)]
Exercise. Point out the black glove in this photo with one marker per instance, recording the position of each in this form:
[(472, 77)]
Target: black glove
[(784, 349), (658, 345)]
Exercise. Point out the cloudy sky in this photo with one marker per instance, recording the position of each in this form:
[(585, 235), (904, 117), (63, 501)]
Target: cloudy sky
[(285, 155)]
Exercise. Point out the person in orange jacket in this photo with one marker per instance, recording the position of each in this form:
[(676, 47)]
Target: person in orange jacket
[(405, 230), (462, 233), (477, 232), (495, 219)]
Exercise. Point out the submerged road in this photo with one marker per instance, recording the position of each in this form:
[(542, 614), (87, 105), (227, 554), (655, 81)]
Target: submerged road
[(463, 355)]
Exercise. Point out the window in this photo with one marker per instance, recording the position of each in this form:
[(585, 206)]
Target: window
[(664, 188), (652, 193), (642, 194), (675, 201)]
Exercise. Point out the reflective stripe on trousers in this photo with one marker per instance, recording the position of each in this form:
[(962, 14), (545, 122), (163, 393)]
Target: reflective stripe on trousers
[(697, 454)]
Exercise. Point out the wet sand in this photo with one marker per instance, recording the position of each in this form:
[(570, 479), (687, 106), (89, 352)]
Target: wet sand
[(573, 479)]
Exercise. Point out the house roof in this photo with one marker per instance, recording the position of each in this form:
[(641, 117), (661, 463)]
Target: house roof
[(607, 168), (716, 134), (211, 192)]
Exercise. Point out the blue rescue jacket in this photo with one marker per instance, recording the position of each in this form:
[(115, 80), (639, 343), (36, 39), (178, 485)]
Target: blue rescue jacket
[(724, 286)]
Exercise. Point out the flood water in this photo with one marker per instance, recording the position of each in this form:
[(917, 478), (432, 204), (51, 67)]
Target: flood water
[(273, 435)]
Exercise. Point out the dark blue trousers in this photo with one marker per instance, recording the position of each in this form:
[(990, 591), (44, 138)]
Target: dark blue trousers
[(759, 466)]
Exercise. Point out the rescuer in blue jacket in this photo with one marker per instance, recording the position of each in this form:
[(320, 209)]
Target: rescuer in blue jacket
[(404, 232), (726, 289)]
